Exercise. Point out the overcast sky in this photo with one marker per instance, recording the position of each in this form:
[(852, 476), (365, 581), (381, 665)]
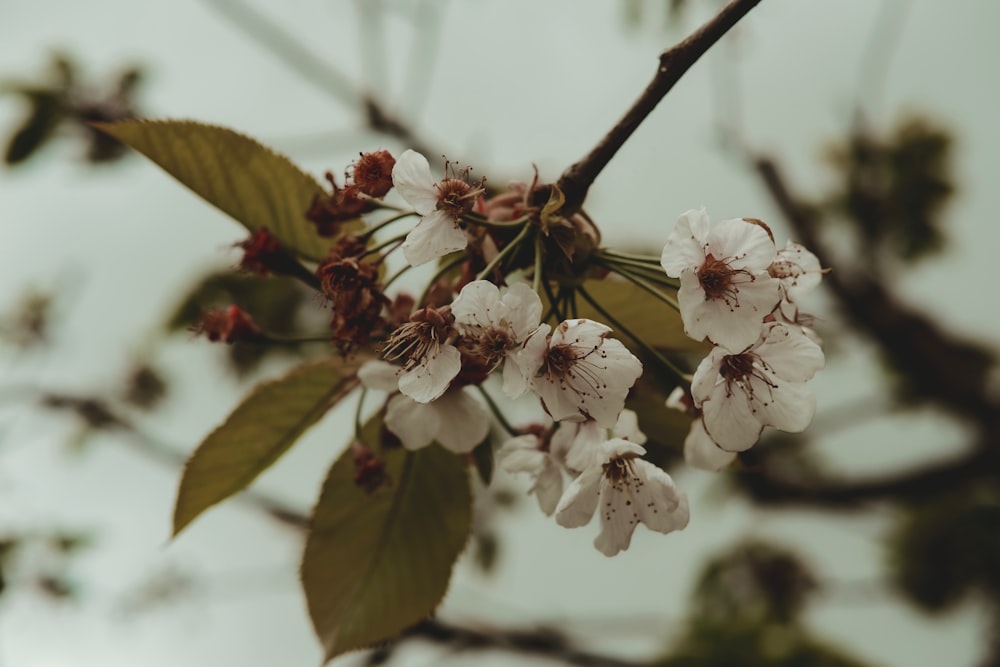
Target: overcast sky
[(505, 85)]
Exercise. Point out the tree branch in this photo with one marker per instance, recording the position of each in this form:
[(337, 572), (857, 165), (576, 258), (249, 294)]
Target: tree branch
[(674, 62), (537, 642)]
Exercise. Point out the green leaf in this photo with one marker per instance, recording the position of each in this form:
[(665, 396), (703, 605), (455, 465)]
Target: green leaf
[(377, 563), (234, 173), (259, 431), (645, 315)]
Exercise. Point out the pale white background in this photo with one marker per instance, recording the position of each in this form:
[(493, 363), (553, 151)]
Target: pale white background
[(512, 83)]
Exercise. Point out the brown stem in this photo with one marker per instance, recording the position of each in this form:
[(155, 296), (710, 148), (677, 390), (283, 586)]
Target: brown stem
[(674, 62)]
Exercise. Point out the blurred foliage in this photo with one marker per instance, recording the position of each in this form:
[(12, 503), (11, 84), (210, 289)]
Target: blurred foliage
[(946, 549), (144, 387), (894, 189), (641, 12), (41, 560), (28, 324), (277, 304), (746, 612), (60, 100)]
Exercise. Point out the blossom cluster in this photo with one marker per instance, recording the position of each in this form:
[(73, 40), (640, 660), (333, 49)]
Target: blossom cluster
[(503, 305), (742, 294)]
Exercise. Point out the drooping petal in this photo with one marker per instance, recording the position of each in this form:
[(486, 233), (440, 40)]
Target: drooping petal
[(430, 377), (685, 248), (411, 175), (436, 235), (379, 375), (515, 381), (701, 452), (618, 520), (627, 427), (658, 502), (415, 424), (579, 502), (548, 488), (462, 421), (521, 454), (790, 407), (730, 420)]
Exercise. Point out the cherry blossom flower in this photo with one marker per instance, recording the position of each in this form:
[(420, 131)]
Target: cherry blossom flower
[(740, 394), (725, 288), (626, 490), (429, 361), (493, 327), (585, 439), (440, 203), (797, 270), (455, 420), (579, 372)]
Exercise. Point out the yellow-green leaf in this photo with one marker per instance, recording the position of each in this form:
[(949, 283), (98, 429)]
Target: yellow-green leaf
[(234, 173), (260, 430), (376, 563)]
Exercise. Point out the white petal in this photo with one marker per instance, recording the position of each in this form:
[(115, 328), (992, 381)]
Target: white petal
[(379, 375), (477, 305), (685, 248), (462, 421), (746, 244), (730, 420), (411, 175), (548, 488), (415, 424), (431, 376), (702, 453), (578, 503), (798, 269), (618, 520), (706, 376), (521, 454), (627, 427), (790, 407), (522, 309), (586, 446), (733, 325), (789, 352), (434, 236), (515, 380), (658, 501)]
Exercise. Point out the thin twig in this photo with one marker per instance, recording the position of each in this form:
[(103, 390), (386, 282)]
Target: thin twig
[(674, 63)]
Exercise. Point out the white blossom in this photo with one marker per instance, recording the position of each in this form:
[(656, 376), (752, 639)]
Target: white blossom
[(798, 271), (765, 385), (429, 362), (579, 372), (626, 490), (725, 290), (440, 203), (495, 326), (455, 420)]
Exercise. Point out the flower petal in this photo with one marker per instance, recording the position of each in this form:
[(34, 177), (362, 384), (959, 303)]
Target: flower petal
[(579, 502), (436, 235), (430, 377), (685, 248), (522, 309), (415, 424), (411, 175), (790, 353), (477, 305), (701, 452), (462, 421), (618, 520), (548, 488), (731, 420), (658, 502), (747, 245), (379, 375)]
